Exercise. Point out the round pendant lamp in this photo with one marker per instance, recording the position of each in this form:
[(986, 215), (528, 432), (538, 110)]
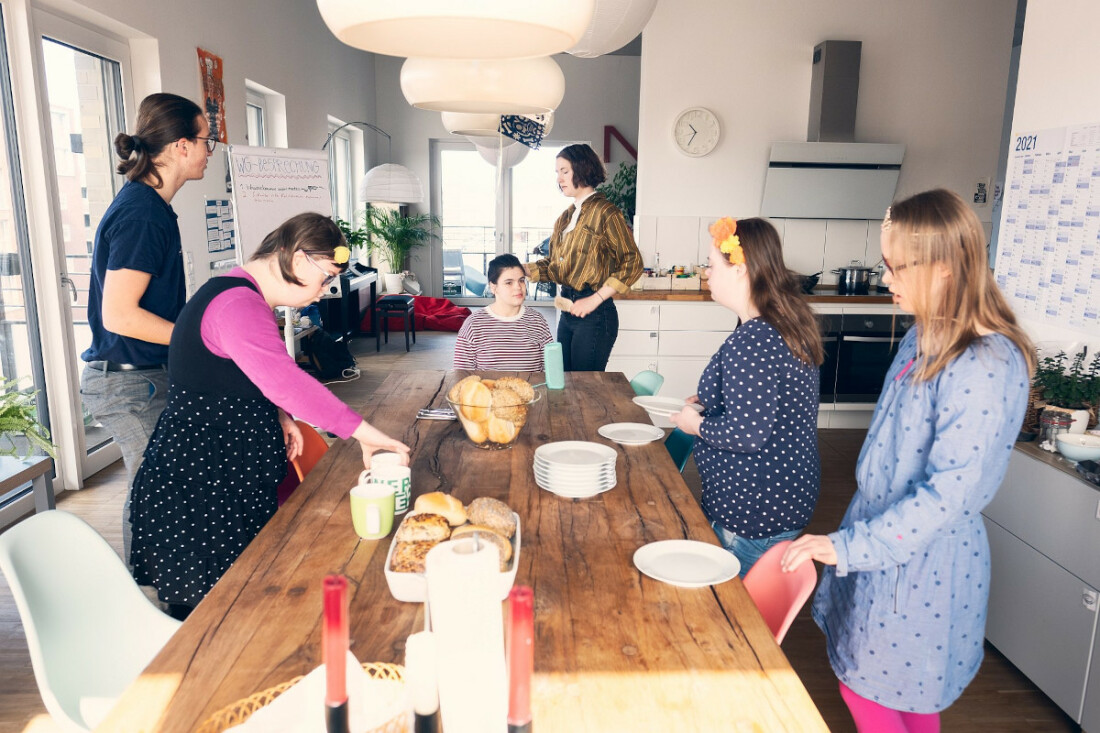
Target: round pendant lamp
[(458, 28), (614, 24), (507, 156), (481, 126), (389, 183), (484, 86)]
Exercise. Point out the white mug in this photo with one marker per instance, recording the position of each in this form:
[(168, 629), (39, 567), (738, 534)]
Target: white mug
[(398, 477)]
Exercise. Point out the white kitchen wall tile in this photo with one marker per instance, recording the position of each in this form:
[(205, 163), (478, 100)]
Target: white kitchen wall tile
[(677, 240), (874, 244), (645, 234), (845, 240), (803, 244), (705, 240)]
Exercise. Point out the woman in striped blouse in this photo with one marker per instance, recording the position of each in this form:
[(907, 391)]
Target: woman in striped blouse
[(505, 335)]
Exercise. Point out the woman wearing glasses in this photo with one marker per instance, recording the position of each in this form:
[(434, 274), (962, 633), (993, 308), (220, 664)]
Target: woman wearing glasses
[(209, 479), (137, 276)]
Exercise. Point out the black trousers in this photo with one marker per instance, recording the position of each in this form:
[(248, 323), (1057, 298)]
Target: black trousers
[(586, 343)]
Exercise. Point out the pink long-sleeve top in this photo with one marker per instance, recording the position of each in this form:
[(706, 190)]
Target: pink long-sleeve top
[(235, 326)]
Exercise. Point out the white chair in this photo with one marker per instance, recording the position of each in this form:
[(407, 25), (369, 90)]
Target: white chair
[(90, 629)]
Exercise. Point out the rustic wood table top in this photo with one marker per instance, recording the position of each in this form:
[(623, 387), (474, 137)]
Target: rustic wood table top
[(614, 650)]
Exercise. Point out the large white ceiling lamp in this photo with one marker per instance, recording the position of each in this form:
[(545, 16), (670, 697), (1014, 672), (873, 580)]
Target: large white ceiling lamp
[(614, 24), (458, 28), (391, 183), (478, 126), (504, 153), (484, 86)]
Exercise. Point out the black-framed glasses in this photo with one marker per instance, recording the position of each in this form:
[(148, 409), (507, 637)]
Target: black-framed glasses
[(211, 142), (329, 277)]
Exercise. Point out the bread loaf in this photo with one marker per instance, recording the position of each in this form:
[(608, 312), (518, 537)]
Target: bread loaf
[(423, 528), (485, 534), (442, 504), (408, 557), (492, 513)]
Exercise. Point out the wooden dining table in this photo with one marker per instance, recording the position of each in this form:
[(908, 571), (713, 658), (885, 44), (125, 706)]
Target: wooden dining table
[(615, 650)]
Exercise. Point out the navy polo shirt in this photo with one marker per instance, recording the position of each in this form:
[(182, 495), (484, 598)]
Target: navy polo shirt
[(138, 232)]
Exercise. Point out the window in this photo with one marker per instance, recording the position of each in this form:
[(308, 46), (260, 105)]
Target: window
[(478, 222), (254, 114), (345, 149)]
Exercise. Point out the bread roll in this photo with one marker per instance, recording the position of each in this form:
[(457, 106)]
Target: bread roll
[(423, 528), (485, 534), (520, 386), (408, 557), (453, 392), (474, 400), (491, 513), (442, 504), (508, 405)]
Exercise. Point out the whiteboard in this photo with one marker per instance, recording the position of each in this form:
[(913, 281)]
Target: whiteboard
[(270, 185)]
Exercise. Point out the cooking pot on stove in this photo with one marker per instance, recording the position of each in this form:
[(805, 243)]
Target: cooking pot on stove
[(855, 279)]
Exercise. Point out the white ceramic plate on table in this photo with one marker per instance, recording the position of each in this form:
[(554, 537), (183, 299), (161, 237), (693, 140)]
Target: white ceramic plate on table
[(631, 433), (664, 406), (574, 491), (686, 563), (576, 453)]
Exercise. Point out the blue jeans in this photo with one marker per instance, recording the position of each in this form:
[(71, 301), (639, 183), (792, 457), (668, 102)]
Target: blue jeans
[(128, 405), (586, 342), (746, 550)]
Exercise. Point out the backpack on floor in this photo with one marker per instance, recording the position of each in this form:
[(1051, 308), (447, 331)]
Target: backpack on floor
[(328, 356)]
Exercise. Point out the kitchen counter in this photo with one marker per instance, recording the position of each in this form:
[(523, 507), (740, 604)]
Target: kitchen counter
[(820, 295)]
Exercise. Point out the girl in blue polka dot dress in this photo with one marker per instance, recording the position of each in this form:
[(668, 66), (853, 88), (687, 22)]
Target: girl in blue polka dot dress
[(903, 596), (757, 436)]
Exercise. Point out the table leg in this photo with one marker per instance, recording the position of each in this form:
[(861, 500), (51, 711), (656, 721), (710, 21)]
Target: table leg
[(43, 493)]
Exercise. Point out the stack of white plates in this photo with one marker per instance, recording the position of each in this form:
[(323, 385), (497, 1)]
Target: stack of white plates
[(575, 469)]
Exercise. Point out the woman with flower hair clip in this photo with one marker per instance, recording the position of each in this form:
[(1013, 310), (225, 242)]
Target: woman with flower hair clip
[(208, 483), (757, 436), (903, 596)]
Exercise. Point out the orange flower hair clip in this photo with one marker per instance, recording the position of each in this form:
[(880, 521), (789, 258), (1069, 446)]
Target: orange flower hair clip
[(724, 232)]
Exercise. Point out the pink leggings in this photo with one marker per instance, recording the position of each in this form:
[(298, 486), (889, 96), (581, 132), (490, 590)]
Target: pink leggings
[(871, 717)]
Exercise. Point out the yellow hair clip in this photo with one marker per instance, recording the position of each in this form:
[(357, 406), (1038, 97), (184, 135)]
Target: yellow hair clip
[(341, 254), (724, 232)]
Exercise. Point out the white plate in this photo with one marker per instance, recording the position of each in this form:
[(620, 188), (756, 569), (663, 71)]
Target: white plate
[(568, 472), (571, 484), (576, 453), (686, 563), (664, 406), (413, 587), (631, 433), (577, 493)]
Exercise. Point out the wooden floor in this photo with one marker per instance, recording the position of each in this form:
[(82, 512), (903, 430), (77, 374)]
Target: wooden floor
[(999, 699)]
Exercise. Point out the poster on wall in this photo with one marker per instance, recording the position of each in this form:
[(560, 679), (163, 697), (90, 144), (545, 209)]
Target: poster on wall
[(1048, 261), (213, 93)]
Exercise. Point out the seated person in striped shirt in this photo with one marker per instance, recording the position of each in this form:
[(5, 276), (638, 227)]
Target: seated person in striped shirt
[(505, 335)]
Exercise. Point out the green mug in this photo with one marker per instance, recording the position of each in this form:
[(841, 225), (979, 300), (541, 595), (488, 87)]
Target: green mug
[(372, 510)]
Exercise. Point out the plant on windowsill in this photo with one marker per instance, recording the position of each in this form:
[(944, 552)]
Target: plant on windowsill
[(395, 236), (357, 239), (19, 418), (622, 189), (1072, 388)]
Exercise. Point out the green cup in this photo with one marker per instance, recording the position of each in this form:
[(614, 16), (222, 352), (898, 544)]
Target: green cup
[(372, 510)]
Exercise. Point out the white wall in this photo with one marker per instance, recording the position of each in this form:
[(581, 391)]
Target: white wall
[(1057, 87), (600, 91), (281, 44), (933, 76)]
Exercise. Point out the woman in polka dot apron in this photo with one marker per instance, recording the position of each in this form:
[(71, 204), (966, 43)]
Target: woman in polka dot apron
[(903, 596), (208, 482), (757, 436)]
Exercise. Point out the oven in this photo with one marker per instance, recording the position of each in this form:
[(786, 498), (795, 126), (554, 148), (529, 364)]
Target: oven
[(830, 326), (866, 347)]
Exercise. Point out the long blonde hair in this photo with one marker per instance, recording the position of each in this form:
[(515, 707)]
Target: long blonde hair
[(938, 228)]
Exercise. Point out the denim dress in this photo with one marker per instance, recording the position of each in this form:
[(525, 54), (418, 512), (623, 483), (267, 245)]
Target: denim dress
[(904, 608)]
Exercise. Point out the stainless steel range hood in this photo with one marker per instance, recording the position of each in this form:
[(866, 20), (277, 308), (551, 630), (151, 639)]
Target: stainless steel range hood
[(832, 177)]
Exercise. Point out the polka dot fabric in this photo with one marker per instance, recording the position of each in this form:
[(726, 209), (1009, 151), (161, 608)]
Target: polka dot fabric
[(757, 448), (904, 609)]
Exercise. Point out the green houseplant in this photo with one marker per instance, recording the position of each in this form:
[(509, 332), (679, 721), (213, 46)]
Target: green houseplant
[(19, 417), (357, 239), (394, 236), (622, 189), (1070, 387)]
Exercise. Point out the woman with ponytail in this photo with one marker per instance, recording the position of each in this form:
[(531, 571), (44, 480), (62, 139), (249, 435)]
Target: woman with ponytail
[(757, 436), (137, 280)]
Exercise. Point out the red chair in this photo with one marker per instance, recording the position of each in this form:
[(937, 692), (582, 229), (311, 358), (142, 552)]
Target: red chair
[(313, 447), (778, 595)]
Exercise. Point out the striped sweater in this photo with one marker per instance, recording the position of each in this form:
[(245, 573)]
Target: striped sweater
[(489, 341)]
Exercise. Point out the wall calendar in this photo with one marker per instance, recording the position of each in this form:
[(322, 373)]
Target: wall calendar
[(1048, 258)]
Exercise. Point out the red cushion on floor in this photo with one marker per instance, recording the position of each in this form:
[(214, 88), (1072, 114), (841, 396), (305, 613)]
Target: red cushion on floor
[(432, 314)]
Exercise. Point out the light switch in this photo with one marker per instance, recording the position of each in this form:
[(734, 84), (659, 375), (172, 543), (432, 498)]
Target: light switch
[(981, 191)]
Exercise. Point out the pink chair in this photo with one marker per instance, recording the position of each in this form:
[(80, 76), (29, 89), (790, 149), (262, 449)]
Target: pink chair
[(778, 595)]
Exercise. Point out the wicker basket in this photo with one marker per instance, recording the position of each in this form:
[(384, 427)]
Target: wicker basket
[(1035, 405), (242, 710)]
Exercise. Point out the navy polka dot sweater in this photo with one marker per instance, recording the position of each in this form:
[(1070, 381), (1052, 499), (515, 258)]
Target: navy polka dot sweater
[(757, 446)]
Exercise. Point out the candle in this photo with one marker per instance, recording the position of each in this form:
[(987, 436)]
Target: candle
[(334, 634), (420, 671), (521, 657)]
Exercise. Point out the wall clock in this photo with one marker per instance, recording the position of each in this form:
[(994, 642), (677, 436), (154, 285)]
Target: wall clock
[(696, 131)]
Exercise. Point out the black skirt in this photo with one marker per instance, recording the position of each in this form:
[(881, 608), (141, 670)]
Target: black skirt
[(206, 488)]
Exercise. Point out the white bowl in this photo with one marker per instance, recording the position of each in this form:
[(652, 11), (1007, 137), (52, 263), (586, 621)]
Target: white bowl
[(413, 587), (1078, 447)]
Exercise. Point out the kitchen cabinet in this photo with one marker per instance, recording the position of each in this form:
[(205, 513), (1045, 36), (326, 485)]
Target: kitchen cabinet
[(1044, 538)]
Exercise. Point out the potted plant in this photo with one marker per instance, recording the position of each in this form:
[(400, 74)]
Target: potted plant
[(621, 190), (19, 418), (357, 239), (394, 236), (1074, 388)]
